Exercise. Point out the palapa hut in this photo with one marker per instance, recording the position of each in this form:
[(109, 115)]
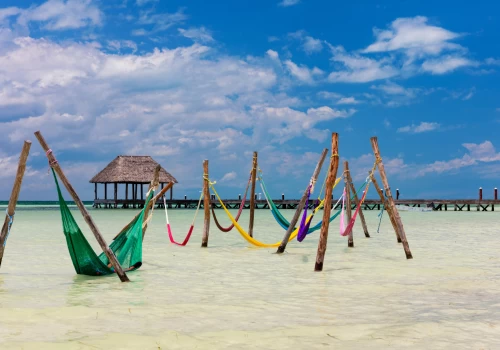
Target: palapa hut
[(133, 170)]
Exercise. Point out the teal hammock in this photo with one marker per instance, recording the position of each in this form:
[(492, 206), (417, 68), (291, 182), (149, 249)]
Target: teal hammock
[(127, 246), (283, 222)]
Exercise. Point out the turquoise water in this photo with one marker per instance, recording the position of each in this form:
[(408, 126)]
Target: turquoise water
[(233, 296)]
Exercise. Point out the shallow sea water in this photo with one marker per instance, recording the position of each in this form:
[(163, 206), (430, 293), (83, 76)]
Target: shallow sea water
[(233, 296)]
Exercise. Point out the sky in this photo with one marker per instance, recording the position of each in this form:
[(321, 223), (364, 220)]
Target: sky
[(184, 81)]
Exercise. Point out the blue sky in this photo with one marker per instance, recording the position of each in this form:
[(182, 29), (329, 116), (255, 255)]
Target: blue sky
[(184, 81)]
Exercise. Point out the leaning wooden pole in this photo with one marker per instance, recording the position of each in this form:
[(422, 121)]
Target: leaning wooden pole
[(350, 240), (207, 203), (252, 194), (302, 203), (14, 195), (387, 208), (152, 187), (390, 200), (150, 205), (330, 180), (358, 204), (88, 219)]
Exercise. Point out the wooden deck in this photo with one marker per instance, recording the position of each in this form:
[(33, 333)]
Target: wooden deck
[(369, 204)]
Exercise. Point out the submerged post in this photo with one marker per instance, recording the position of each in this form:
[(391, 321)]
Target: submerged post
[(387, 208), (302, 203), (356, 201), (327, 207), (11, 209), (252, 194), (390, 199), (206, 205), (350, 240), (88, 219)]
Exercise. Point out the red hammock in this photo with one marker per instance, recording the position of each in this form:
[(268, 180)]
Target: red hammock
[(188, 236)]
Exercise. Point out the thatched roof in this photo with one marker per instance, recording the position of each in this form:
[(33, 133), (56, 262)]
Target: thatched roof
[(131, 169)]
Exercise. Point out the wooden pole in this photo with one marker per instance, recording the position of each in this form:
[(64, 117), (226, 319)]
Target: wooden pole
[(387, 208), (397, 193), (14, 195), (172, 192), (126, 196), (302, 203), (206, 204), (356, 201), (495, 194), (480, 193), (95, 191), (350, 240), (252, 195), (116, 194), (88, 219), (150, 205), (390, 199), (153, 185), (327, 208)]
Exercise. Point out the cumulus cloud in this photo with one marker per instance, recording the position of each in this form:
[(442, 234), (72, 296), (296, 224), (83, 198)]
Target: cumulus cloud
[(303, 73)]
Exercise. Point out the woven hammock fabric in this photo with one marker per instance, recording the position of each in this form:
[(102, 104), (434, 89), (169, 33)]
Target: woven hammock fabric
[(127, 246)]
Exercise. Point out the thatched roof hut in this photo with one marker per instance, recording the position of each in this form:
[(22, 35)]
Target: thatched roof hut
[(131, 169)]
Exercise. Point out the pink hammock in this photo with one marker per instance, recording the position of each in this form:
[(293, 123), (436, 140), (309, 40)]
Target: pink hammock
[(346, 230), (190, 231)]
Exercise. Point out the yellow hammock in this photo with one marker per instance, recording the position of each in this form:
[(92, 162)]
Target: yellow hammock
[(252, 240)]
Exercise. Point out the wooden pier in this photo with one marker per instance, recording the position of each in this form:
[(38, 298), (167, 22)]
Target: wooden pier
[(369, 204)]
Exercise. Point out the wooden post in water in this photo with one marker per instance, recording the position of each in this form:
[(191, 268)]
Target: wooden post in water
[(14, 195), (480, 193), (390, 199), (356, 201), (387, 207), (327, 208), (350, 240), (252, 194), (495, 194), (88, 219), (116, 194), (206, 204), (300, 206), (152, 186), (397, 193)]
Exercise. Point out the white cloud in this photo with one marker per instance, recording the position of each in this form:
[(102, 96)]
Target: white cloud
[(312, 45), (422, 127), (358, 69), (57, 14), (302, 73), (446, 64), (413, 34), (201, 34), (229, 177), (286, 3), (118, 45), (348, 101), (158, 22), (273, 55)]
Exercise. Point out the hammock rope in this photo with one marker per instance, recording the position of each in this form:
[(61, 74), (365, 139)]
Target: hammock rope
[(242, 206), (190, 231)]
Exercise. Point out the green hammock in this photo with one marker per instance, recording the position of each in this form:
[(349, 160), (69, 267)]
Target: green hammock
[(127, 246)]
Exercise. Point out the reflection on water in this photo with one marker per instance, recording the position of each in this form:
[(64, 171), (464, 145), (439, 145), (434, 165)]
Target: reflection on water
[(231, 296)]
